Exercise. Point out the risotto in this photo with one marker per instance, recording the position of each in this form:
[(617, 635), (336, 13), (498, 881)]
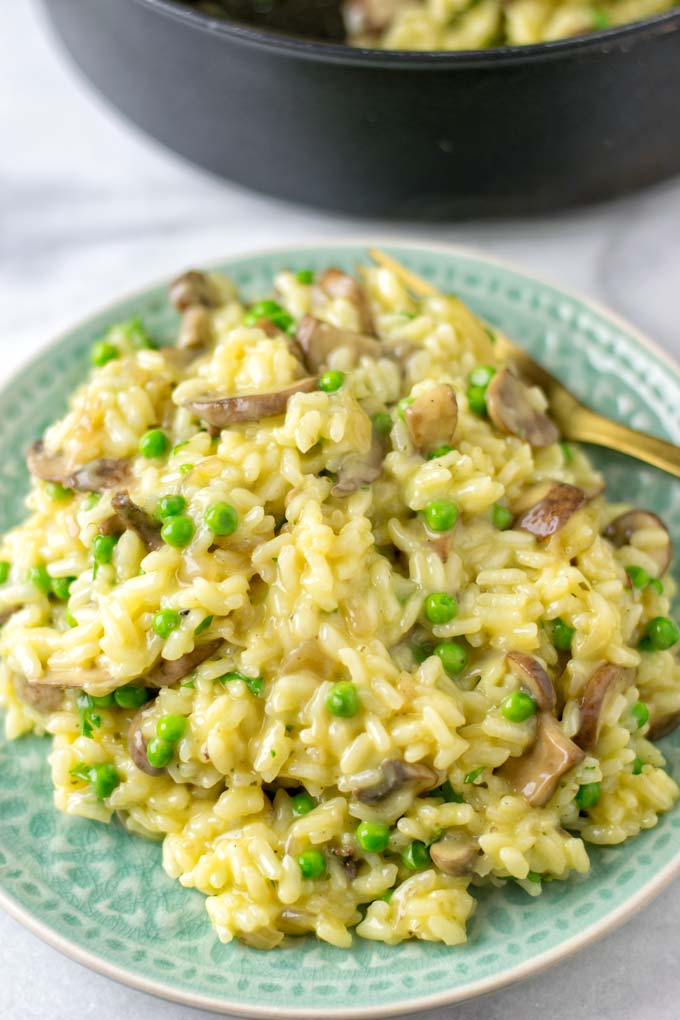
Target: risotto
[(318, 597)]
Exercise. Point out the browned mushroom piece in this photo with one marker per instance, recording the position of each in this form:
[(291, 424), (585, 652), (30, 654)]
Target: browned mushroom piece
[(552, 510), (537, 773), (319, 339), (50, 467), (455, 853), (662, 725), (167, 672), (102, 473), (138, 520), (621, 530), (137, 747), (349, 862), (397, 774), (337, 284), (93, 677), (219, 412), (192, 288), (510, 409), (42, 697), (195, 331), (432, 417), (533, 678), (605, 681), (359, 469)]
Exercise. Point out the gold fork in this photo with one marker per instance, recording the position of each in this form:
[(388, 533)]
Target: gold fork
[(575, 421)]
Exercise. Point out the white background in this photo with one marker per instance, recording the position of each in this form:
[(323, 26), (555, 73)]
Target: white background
[(90, 209)]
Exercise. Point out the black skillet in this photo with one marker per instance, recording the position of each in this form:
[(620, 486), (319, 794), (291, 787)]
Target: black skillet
[(506, 131)]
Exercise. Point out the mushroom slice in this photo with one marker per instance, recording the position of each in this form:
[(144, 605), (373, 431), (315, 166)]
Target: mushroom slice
[(319, 339), (536, 774), (138, 520), (137, 747), (167, 672), (219, 412), (359, 469), (395, 775), (621, 530), (606, 680), (510, 410), (50, 467), (454, 854), (77, 678), (533, 678), (552, 511), (103, 473), (195, 332), (432, 417), (42, 697), (663, 725), (350, 863), (192, 288), (337, 284)]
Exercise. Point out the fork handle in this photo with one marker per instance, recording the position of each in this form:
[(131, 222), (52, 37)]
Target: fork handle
[(586, 426)]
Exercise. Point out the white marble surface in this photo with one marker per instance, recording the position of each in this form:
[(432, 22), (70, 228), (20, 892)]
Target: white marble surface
[(90, 209)]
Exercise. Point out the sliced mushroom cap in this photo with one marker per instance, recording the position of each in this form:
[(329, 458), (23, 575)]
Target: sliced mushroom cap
[(511, 411), (349, 862), (50, 467), (138, 520), (219, 412), (319, 339), (432, 417), (167, 672), (192, 288), (397, 774), (662, 725), (195, 330), (533, 678), (137, 747), (359, 469), (537, 773), (337, 284), (455, 854), (103, 473), (42, 697), (621, 530), (552, 511), (605, 681)]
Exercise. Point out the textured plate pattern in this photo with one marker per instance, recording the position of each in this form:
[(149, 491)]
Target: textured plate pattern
[(103, 891)]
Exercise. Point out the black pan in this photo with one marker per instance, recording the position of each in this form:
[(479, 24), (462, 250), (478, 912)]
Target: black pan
[(509, 131)]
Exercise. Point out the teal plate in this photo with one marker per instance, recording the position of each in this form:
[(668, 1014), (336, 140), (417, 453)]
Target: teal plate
[(100, 895)]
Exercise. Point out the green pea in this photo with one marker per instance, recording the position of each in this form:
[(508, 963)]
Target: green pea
[(640, 714), (153, 443), (567, 452), (588, 795), (476, 398), (656, 585), (312, 863), (104, 779), (39, 577), (203, 625), (61, 587), (343, 700), (475, 774), (639, 577), (662, 633), (222, 519), (518, 707), (273, 311), (102, 548), (159, 752), (440, 608), (382, 424), (135, 332), (165, 621), (562, 635), (373, 837), (131, 696), (481, 376), (501, 517), (439, 451), (170, 506), (178, 531), (102, 700), (638, 766), (302, 804), (57, 492), (416, 855), (171, 727), (441, 515), (305, 276), (102, 352), (331, 380), (452, 655), (5, 568), (255, 684)]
